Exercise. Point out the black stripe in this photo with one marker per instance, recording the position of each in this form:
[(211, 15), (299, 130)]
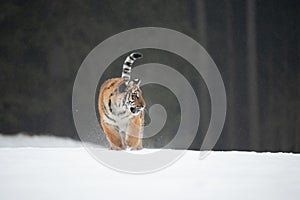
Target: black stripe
[(110, 118), (114, 126), (128, 63), (123, 101), (125, 116), (104, 109), (111, 85), (109, 105), (121, 113)]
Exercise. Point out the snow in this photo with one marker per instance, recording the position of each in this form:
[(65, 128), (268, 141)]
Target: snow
[(22, 140), (46, 171)]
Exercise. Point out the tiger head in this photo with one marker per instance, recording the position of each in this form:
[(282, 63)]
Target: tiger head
[(135, 100)]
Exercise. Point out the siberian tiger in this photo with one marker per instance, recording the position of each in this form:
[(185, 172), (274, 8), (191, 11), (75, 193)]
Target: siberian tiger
[(121, 108)]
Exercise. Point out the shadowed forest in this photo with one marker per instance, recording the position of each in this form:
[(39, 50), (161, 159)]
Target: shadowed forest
[(254, 43)]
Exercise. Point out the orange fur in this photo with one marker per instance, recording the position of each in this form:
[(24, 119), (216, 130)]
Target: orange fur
[(135, 122)]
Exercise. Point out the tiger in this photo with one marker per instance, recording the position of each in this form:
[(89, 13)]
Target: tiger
[(121, 109)]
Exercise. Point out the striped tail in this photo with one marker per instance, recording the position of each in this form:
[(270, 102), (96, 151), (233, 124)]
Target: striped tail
[(128, 63)]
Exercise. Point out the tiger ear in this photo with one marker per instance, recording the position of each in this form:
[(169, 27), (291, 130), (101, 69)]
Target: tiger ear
[(137, 81), (129, 84)]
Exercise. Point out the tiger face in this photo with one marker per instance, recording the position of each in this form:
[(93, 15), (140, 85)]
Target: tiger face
[(135, 100)]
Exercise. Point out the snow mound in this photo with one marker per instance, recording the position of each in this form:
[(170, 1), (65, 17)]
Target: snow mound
[(71, 173), (22, 140)]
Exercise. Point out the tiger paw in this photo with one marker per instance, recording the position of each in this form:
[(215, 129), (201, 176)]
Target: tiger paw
[(116, 148), (136, 148)]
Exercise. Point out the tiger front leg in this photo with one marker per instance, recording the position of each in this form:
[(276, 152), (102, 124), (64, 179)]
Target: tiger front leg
[(133, 136), (114, 138), (134, 142)]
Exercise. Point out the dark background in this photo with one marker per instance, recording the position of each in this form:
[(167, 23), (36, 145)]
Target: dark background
[(254, 43)]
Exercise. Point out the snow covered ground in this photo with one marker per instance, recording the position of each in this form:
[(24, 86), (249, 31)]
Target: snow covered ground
[(54, 168)]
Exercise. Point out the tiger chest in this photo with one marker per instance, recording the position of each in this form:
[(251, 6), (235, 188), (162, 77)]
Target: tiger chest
[(119, 122)]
